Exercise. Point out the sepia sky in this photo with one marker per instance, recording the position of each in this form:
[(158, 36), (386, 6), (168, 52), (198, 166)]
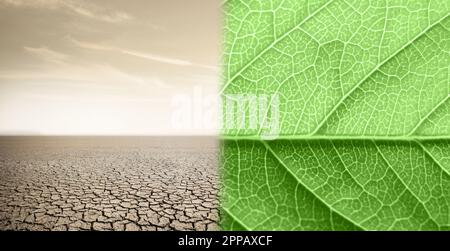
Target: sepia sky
[(106, 67)]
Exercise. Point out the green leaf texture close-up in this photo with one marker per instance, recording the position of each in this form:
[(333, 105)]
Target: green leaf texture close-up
[(363, 100)]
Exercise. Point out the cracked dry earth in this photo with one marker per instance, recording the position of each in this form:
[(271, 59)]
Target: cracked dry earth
[(108, 183)]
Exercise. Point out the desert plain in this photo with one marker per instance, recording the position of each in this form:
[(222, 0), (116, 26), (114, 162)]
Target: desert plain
[(108, 183)]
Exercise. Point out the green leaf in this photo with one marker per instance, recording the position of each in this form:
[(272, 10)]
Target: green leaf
[(364, 115)]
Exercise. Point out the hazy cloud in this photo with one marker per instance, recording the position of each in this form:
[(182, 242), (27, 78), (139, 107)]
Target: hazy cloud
[(47, 54), (82, 8), (144, 55), (94, 46)]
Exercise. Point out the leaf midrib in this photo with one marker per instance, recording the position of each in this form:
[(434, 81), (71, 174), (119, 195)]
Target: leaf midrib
[(340, 137)]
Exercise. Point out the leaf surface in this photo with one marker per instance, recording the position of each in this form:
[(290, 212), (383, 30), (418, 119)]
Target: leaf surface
[(364, 89)]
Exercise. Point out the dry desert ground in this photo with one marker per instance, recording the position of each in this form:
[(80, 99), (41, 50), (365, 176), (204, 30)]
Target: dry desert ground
[(108, 183)]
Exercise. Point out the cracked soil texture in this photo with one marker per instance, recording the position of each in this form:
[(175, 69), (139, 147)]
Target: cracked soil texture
[(108, 183)]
